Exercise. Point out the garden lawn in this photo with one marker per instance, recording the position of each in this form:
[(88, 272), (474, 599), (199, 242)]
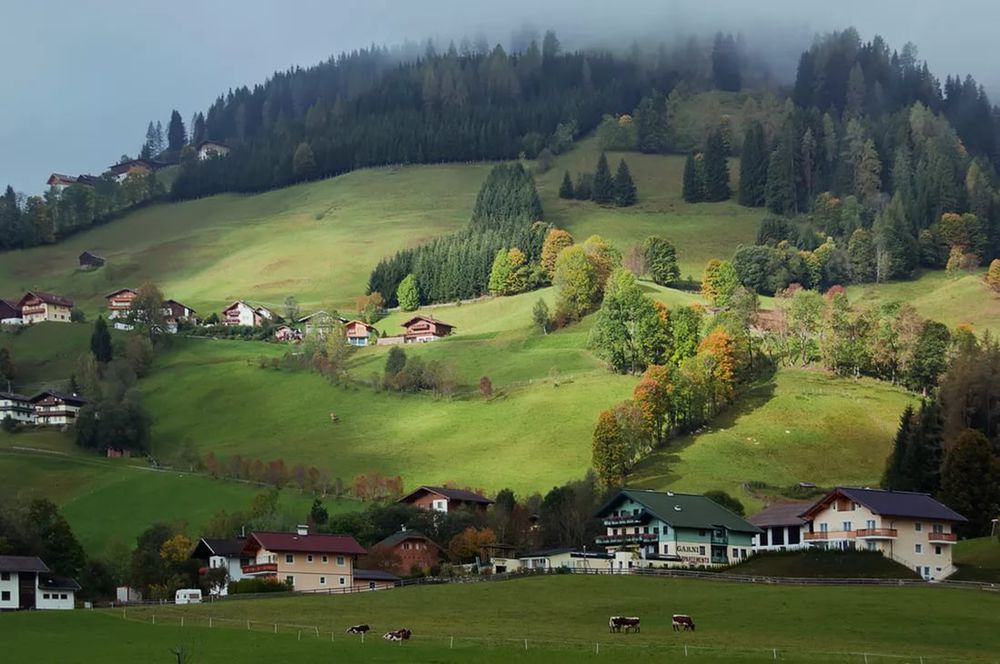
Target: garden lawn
[(105, 499), (926, 621), (804, 426)]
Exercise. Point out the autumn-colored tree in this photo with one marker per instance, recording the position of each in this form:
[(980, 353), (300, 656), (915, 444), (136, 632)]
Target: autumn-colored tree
[(720, 345), (617, 443), (383, 558), (486, 387), (603, 255), (993, 275), (708, 279), (555, 241), (576, 282), (211, 464), (467, 544), (653, 396), (177, 549)]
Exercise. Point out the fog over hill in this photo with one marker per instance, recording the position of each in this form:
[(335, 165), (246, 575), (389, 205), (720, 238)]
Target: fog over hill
[(83, 79)]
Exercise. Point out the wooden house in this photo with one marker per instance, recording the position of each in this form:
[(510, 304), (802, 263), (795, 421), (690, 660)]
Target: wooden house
[(17, 407), (90, 261), (119, 304), (421, 329), (56, 408), (360, 333), (287, 334), (37, 307), (308, 562), (408, 551), (132, 167), (445, 499), (175, 313), (59, 182), (210, 149), (374, 579), (320, 323)]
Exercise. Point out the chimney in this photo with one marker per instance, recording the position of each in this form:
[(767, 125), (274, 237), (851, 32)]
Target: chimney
[(402, 527), (302, 529)]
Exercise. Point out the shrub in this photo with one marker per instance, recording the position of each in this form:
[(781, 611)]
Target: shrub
[(252, 586)]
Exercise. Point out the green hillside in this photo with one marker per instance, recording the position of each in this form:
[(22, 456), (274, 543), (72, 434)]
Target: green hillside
[(978, 560)]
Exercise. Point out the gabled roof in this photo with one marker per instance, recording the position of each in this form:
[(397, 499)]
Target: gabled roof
[(779, 514), (236, 303), (429, 319), (13, 396), (460, 495), (906, 504), (126, 166), (90, 254), (53, 582), (179, 304), (546, 553), (9, 307), (315, 314), (22, 564), (402, 536), (59, 178), (217, 547), (374, 575), (120, 290), (268, 313), (48, 298), (88, 180), (210, 142), (72, 399), (360, 322), (682, 510), (292, 542)]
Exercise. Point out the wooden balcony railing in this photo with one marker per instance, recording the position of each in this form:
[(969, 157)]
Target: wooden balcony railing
[(942, 537), (876, 533), (262, 568), (820, 536)]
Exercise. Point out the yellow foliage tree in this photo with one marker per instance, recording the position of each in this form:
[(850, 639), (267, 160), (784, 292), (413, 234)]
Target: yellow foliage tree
[(993, 275), (177, 549)]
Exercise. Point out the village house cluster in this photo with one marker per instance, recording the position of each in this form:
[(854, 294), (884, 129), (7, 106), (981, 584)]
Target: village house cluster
[(45, 409)]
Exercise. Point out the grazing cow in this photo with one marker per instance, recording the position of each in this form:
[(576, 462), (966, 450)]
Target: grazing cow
[(626, 623), (398, 635), (358, 629), (680, 620)]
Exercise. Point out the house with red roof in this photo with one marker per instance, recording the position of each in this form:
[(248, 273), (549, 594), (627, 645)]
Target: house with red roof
[(37, 307), (359, 333), (445, 499), (421, 329), (912, 528), (407, 551), (309, 562)]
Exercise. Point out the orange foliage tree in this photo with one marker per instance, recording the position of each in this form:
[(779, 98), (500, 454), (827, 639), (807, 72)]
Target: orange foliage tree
[(555, 241), (468, 543), (653, 396), (720, 345)]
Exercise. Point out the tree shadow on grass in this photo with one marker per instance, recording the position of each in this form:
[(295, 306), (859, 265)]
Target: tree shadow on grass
[(656, 471)]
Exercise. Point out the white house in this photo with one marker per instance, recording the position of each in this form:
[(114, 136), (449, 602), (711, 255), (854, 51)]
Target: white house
[(210, 149), (17, 407), (10, 313), (783, 527), (222, 553), (25, 583), (56, 408)]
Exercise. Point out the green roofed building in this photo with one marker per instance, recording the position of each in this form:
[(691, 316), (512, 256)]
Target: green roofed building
[(668, 529)]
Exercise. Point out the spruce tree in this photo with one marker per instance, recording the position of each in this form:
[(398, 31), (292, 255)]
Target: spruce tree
[(970, 482), (894, 477), (716, 168), (693, 187), (921, 463), (604, 186), (176, 134), (625, 194), (100, 341), (753, 167), (566, 188)]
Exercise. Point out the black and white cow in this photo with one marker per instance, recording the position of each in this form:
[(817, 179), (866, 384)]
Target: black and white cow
[(358, 629), (398, 635), (680, 620), (623, 623)]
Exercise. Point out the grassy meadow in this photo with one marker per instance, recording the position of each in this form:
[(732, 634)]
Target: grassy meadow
[(978, 560), (571, 609)]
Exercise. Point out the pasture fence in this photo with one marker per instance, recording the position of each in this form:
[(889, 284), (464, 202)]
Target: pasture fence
[(612, 647)]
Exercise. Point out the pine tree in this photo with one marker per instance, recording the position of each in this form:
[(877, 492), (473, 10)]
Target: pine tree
[(100, 341), (921, 463), (176, 134), (566, 188), (781, 193), (625, 194), (894, 477), (716, 168), (693, 185), (753, 167), (604, 186), (970, 482)]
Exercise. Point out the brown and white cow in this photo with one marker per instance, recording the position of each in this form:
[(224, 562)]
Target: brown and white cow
[(398, 635), (620, 623), (679, 620), (358, 629)]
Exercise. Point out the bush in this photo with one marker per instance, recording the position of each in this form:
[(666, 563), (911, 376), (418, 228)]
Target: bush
[(8, 424), (253, 586), (77, 316)]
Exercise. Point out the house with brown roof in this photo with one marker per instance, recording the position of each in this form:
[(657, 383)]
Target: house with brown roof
[(243, 313), (217, 553), (37, 307), (10, 313), (17, 407), (175, 313), (408, 551), (911, 528), (309, 562), (208, 149), (119, 303), (56, 408), (421, 329), (27, 583), (60, 182), (782, 527), (129, 167), (374, 579), (444, 499), (319, 323), (360, 333)]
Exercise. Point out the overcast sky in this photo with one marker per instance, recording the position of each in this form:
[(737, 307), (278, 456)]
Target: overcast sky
[(83, 79)]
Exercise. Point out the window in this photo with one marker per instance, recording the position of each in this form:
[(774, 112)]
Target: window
[(736, 552), (5, 596), (322, 580), (918, 548), (326, 559), (937, 550), (794, 536), (701, 551), (656, 530), (45, 595), (777, 536), (938, 528), (870, 524), (763, 538), (342, 581), (846, 525), (290, 558), (63, 596), (5, 576), (309, 558), (340, 561), (290, 580), (371, 585), (823, 528), (918, 526), (666, 549), (701, 533), (871, 545)]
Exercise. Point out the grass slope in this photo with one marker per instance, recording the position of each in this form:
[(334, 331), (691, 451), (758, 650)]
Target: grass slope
[(805, 426), (820, 564), (978, 560), (105, 499), (923, 621), (45, 353)]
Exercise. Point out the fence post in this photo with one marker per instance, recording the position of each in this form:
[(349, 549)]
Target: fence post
[(317, 631), (866, 658), (685, 650), (154, 618), (775, 653), (526, 644), (210, 622), (452, 644), (275, 628), (597, 648), (362, 638), (182, 621), (300, 635)]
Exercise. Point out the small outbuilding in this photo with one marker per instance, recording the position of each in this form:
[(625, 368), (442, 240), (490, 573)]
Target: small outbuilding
[(90, 261)]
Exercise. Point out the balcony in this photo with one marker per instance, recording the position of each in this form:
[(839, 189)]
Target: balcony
[(942, 538), (628, 538), (876, 533), (626, 520), (262, 568), (825, 536)]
